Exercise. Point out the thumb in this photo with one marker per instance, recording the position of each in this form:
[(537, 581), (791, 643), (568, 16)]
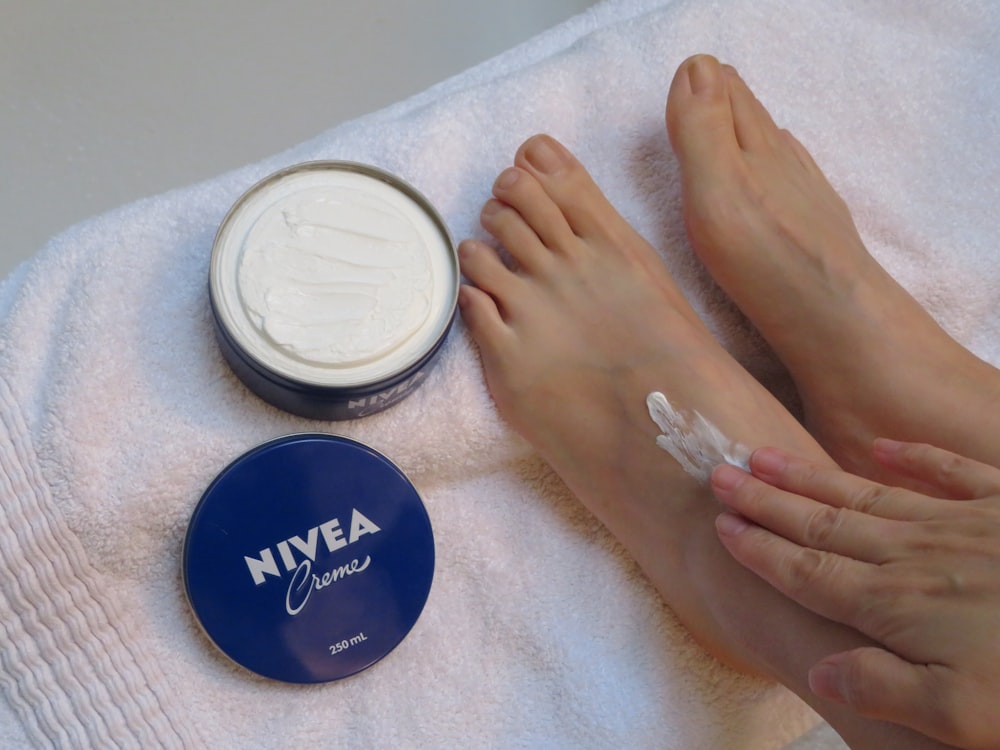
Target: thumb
[(880, 685)]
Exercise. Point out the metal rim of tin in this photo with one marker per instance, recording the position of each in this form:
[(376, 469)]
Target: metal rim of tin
[(314, 399)]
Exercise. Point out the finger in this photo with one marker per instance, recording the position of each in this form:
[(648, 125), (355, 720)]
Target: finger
[(880, 685), (838, 488), (826, 583), (808, 523), (957, 477)]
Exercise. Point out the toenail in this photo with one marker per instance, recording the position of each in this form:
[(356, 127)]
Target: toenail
[(703, 75), (464, 300), (506, 179), (543, 156), (491, 207)]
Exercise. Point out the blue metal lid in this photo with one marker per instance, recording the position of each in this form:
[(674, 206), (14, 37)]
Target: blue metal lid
[(309, 558)]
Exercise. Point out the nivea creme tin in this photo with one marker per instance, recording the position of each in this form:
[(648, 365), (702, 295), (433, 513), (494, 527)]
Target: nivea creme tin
[(333, 286), (309, 558)]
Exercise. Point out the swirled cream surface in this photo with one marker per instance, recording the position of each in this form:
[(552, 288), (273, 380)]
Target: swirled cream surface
[(334, 277)]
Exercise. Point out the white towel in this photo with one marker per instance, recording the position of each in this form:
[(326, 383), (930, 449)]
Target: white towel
[(117, 410)]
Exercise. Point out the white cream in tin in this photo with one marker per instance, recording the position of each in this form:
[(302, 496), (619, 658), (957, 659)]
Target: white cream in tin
[(334, 275)]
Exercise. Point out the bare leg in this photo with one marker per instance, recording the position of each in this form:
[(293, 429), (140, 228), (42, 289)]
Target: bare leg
[(866, 358), (572, 342)]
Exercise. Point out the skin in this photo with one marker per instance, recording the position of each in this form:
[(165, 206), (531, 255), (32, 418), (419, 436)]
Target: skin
[(915, 573), (586, 321), (768, 226)]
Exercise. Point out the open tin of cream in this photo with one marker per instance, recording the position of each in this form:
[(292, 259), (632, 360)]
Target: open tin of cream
[(333, 286)]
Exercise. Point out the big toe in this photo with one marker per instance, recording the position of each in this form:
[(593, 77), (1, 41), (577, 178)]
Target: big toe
[(571, 190), (700, 118)]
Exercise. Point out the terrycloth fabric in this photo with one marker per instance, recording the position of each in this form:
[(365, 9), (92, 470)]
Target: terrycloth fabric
[(117, 410)]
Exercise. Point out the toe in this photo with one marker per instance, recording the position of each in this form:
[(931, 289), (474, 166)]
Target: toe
[(518, 237), (700, 118), (483, 268), (522, 192), (483, 301), (756, 131), (569, 187), (752, 123), (483, 319)]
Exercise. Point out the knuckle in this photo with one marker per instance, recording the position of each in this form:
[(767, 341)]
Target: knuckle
[(871, 497), (915, 455), (886, 611), (946, 584), (751, 499), (822, 526), (950, 468), (804, 568), (756, 495), (804, 474)]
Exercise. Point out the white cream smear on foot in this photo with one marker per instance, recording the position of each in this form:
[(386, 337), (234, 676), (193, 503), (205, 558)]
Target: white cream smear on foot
[(339, 277), (694, 442)]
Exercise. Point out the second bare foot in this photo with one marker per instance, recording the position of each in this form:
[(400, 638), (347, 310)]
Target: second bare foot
[(866, 358)]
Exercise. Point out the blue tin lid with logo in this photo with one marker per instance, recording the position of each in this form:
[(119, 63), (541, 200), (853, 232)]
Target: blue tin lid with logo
[(309, 558)]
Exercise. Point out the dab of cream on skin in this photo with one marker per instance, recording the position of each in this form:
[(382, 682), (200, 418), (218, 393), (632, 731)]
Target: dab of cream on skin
[(694, 442)]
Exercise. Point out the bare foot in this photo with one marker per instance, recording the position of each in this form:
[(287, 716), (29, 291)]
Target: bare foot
[(866, 358), (572, 341)]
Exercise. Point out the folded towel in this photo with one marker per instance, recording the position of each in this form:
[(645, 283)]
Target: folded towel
[(117, 410)]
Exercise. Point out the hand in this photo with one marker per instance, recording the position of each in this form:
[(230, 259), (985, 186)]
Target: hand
[(918, 574)]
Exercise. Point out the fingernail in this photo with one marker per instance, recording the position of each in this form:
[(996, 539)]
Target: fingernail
[(506, 179), (824, 681), (703, 75), (768, 462), (730, 524), (727, 478), (886, 448), (543, 155)]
